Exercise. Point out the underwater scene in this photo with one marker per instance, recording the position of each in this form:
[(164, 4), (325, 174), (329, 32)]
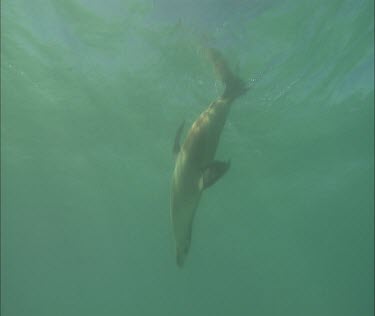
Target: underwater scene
[(188, 158)]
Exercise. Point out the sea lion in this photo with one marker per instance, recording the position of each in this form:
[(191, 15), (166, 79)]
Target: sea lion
[(195, 167)]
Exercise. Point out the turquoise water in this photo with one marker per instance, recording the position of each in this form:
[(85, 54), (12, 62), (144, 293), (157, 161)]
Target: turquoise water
[(92, 93)]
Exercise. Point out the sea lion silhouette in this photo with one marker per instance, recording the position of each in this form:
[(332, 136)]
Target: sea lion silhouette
[(195, 166)]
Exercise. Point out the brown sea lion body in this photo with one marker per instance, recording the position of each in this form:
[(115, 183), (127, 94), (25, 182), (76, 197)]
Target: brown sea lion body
[(195, 167)]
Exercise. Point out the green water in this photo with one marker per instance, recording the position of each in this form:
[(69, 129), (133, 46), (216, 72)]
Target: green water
[(92, 93)]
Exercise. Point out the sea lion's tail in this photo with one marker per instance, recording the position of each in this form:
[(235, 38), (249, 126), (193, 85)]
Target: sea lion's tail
[(234, 86)]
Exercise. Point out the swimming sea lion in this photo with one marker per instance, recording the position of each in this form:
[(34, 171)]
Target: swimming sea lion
[(195, 167)]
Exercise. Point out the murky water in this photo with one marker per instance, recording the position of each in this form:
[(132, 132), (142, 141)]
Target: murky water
[(92, 93)]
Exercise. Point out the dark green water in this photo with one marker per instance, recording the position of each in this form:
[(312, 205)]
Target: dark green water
[(92, 93)]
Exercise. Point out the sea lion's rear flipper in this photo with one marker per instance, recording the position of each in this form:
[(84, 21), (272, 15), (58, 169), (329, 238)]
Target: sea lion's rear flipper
[(213, 172), (234, 86), (176, 146)]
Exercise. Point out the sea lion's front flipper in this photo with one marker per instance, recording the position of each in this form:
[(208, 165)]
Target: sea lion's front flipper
[(213, 172), (176, 146)]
